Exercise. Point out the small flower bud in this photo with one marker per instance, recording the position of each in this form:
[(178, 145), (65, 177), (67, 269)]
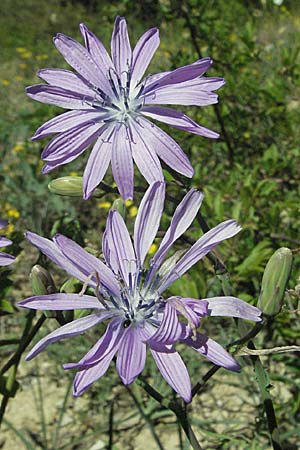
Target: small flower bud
[(70, 186), (275, 278), (119, 205), (41, 281)]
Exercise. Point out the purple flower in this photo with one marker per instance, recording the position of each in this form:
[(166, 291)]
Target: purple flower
[(131, 296), (5, 258), (110, 104)]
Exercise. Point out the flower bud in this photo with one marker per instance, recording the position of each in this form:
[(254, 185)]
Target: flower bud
[(41, 281), (70, 186), (119, 205), (275, 278)]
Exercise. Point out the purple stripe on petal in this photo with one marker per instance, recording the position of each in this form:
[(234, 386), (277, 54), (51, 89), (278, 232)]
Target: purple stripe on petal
[(120, 48), (184, 215), (85, 378), (143, 53), (57, 96), (106, 345), (80, 59), (232, 307), (97, 164), (70, 329), (6, 259), (178, 120), (4, 242), (61, 302), (131, 356), (205, 244), (96, 49), (148, 219), (200, 307), (169, 330), (213, 351), (122, 164), (88, 263), (196, 92), (67, 80), (181, 74), (176, 95), (174, 371), (108, 246), (144, 156), (53, 252), (166, 148), (122, 246), (72, 142), (64, 122)]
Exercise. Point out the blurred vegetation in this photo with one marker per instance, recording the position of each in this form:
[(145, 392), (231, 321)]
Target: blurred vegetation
[(251, 174)]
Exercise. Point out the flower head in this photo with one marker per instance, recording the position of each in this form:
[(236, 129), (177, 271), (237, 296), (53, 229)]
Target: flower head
[(5, 258), (130, 296), (110, 105)]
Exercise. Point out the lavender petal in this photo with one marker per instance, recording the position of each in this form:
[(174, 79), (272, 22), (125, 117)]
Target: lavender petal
[(213, 351), (122, 246), (96, 49), (131, 356), (70, 329), (64, 122), (122, 164), (105, 346), (145, 157), (169, 330), (80, 59), (143, 53), (53, 252), (87, 263), (166, 148), (72, 142), (205, 244), (181, 74), (97, 164), (68, 80), (61, 302), (174, 371), (148, 219), (58, 96), (184, 215), (232, 307), (120, 47), (6, 259), (178, 120)]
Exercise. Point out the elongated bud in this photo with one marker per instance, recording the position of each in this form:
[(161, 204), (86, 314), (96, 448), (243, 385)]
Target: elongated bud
[(70, 186), (41, 281), (275, 278), (119, 205)]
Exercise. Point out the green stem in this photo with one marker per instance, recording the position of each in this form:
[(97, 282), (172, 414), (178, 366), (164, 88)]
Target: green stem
[(146, 419), (263, 383), (14, 361)]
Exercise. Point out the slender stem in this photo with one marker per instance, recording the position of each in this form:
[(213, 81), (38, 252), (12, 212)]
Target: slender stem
[(194, 36), (263, 383), (146, 418), (111, 426), (181, 414), (24, 341)]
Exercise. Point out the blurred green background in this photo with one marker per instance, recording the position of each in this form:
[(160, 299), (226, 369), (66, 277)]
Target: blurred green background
[(251, 174)]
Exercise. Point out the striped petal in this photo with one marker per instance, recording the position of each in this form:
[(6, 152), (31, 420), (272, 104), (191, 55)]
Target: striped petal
[(148, 219)]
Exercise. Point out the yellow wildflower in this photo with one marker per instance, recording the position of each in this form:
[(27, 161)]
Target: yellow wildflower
[(17, 148), (133, 211), (5, 82), (152, 249), (128, 203), (104, 205), (13, 212)]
